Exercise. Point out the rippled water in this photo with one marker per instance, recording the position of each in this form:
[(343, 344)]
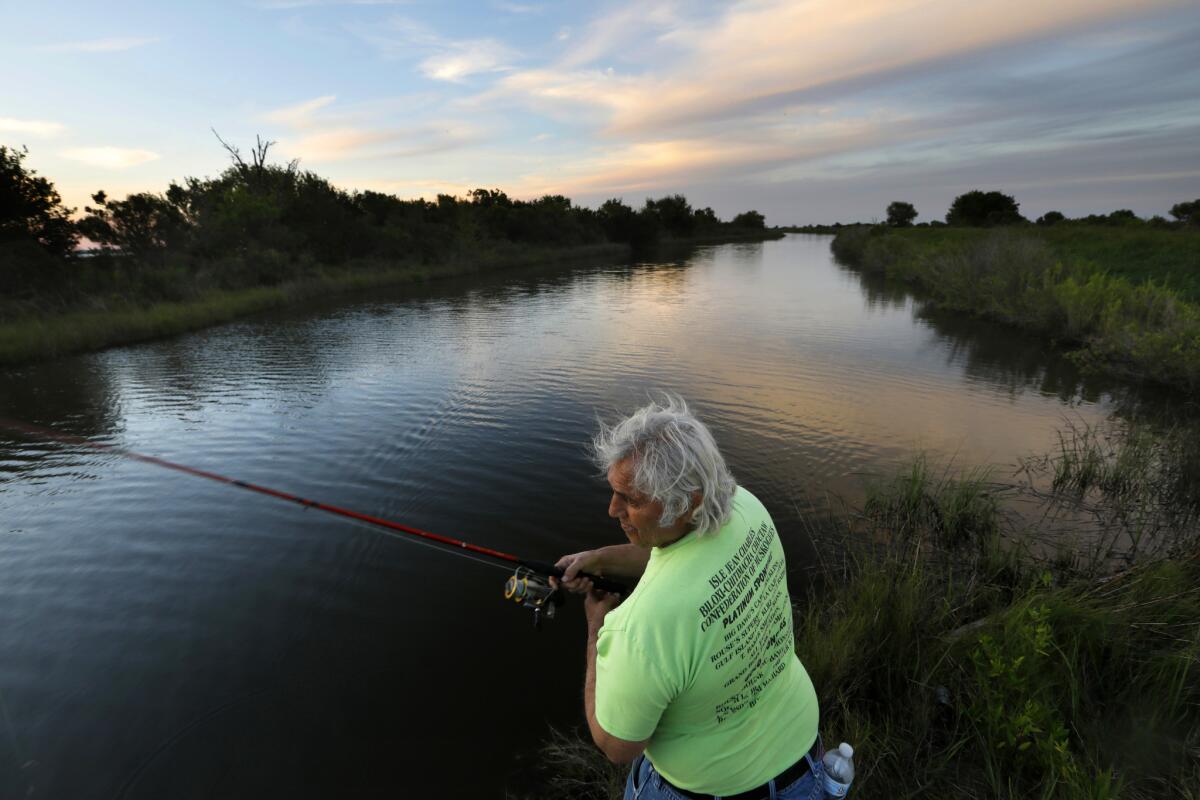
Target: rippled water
[(164, 636)]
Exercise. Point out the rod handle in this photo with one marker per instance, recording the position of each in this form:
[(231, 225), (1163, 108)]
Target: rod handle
[(599, 582)]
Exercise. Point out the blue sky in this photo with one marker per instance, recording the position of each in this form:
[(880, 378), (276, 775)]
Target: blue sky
[(810, 111)]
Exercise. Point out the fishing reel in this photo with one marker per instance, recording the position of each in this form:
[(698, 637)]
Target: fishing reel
[(532, 590)]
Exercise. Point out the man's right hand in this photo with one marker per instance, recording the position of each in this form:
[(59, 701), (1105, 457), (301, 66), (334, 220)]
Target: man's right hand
[(589, 561)]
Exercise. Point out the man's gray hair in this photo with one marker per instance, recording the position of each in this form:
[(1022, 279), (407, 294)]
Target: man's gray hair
[(674, 455)]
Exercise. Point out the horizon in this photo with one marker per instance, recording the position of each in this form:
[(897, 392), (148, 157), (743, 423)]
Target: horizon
[(810, 113)]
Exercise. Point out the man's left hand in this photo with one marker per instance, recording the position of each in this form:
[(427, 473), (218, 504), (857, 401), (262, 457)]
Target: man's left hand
[(597, 605)]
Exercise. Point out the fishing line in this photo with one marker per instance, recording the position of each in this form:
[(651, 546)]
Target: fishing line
[(47, 433), (431, 545), (527, 587)]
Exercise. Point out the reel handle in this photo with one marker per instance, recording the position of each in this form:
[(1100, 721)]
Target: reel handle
[(601, 583)]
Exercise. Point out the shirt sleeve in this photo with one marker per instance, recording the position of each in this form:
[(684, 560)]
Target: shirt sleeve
[(631, 689)]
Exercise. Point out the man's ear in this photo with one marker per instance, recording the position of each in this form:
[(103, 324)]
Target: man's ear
[(697, 499)]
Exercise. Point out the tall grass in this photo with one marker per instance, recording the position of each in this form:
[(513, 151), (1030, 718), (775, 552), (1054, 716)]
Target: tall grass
[(1135, 326), (118, 320), (960, 662), (1136, 483)]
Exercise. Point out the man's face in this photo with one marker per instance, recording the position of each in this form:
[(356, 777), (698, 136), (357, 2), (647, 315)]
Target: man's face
[(636, 512)]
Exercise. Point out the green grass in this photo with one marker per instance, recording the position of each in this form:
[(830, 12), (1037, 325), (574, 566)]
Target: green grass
[(961, 662), (39, 336), (1129, 322), (1138, 254)]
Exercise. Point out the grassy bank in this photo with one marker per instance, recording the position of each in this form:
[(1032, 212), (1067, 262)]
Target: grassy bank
[(116, 320), (966, 654), (1128, 300), (32, 337)]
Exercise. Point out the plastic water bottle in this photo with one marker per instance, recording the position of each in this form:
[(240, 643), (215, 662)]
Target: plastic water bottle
[(839, 770)]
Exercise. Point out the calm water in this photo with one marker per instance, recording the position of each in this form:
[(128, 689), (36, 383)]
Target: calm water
[(164, 636)]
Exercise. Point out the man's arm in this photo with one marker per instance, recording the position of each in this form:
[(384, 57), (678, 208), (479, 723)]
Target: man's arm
[(618, 751), (615, 561)]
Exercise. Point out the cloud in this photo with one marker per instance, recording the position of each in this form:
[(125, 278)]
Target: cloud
[(443, 59), (622, 31), (301, 115), (335, 134), (646, 166), (33, 127), (341, 144), (100, 45), (462, 59), (110, 157), (763, 53)]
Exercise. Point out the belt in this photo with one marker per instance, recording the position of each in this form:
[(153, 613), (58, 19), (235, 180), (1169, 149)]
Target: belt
[(784, 779)]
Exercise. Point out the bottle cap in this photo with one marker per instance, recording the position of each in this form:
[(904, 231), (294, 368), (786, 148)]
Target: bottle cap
[(846, 750)]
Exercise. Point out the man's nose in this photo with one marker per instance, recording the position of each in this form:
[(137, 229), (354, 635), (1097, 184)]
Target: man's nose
[(614, 506)]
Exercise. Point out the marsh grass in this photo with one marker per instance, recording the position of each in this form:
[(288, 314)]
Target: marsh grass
[(570, 767), (35, 334), (923, 503), (1142, 320), (1137, 483), (968, 664), (962, 661)]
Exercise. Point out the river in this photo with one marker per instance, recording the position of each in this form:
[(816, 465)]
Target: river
[(165, 636)]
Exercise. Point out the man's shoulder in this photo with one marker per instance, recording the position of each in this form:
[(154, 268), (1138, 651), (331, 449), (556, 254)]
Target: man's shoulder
[(748, 506)]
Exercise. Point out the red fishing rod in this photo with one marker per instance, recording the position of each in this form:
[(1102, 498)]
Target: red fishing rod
[(528, 586)]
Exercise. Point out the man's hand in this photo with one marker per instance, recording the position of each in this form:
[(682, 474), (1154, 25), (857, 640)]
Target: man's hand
[(596, 606), (589, 561)]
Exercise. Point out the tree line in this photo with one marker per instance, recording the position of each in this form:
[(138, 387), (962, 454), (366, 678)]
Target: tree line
[(989, 209), (260, 223)]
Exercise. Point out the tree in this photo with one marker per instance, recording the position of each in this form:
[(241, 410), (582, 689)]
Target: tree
[(980, 209), (1187, 212), (901, 214), (256, 173), (621, 223), (141, 224), (750, 219), (674, 214), (706, 219), (1051, 218), (31, 208), (487, 198)]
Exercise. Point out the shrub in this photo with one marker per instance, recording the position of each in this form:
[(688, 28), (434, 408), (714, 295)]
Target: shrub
[(901, 214), (979, 209)]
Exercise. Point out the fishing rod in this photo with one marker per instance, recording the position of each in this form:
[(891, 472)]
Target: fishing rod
[(528, 586)]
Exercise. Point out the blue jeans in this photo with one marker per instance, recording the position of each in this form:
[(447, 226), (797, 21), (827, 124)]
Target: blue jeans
[(645, 783)]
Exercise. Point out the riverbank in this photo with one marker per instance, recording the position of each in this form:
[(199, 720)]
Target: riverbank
[(967, 654), (114, 321), (1128, 301)]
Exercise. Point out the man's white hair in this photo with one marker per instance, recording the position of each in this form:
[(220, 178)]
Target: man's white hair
[(674, 455)]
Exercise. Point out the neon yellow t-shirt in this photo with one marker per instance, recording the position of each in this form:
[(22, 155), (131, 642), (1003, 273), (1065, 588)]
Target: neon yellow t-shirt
[(700, 659)]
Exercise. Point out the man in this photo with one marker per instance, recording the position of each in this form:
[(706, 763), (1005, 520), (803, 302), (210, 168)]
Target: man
[(694, 676)]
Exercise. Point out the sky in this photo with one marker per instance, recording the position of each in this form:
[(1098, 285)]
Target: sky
[(811, 111)]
